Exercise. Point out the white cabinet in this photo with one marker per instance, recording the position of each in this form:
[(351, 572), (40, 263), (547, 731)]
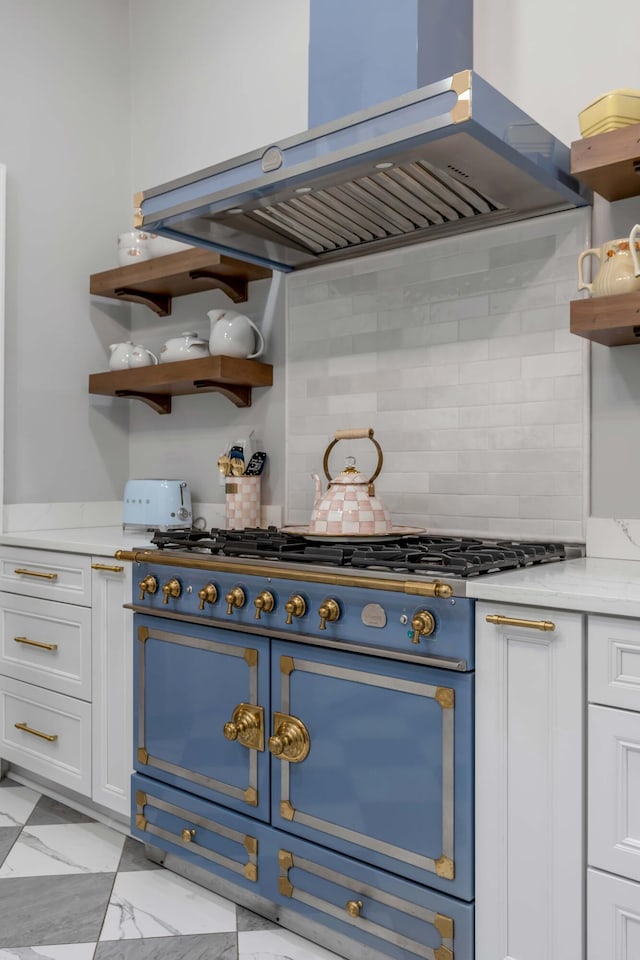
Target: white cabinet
[(65, 671), (530, 868), (614, 789)]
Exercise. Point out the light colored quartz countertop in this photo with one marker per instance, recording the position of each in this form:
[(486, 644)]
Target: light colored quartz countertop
[(98, 541), (589, 583)]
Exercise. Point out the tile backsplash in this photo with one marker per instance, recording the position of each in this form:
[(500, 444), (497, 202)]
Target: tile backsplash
[(458, 353)]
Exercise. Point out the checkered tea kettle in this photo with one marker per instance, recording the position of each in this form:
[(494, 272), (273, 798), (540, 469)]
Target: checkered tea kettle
[(350, 506)]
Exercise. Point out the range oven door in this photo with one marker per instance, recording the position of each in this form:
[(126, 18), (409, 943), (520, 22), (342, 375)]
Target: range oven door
[(201, 703), (375, 760)]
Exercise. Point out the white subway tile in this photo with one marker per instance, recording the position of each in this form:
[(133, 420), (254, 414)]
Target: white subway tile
[(569, 530), (552, 365), (490, 370), (545, 318), (508, 301), (525, 345), (459, 309), (352, 403), (403, 318), (460, 265), (521, 438), (459, 483), (566, 435), (358, 363), (314, 293), (444, 418), (490, 415), (552, 411), (489, 327), (564, 340), (554, 507), (568, 388)]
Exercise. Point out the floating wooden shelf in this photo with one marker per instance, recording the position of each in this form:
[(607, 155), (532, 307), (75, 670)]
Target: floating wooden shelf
[(612, 321), (609, 163), (155, 385), (156, 282)]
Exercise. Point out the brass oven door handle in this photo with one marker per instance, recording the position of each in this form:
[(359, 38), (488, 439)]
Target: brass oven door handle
[(246, 726), (515, 622), (36, 643), (51, 737), (290, 740), (36, 573), (113, 568)]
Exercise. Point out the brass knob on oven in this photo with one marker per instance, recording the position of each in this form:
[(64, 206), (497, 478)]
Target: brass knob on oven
[(148, 585), (422, 625), (172, 588), (328, 610), (208, 594), (295, 607), (235, 598), (291, 739), (188, 835), (246, 726), (264, 602), (354, 908)]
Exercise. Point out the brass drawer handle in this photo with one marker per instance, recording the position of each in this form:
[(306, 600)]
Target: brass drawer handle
[(36, 643), (515, 622), (36, 573), (51, 737), (106, 566)]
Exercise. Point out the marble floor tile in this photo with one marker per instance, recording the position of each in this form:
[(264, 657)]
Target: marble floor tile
[(213, 946), (156, 903), (8, 836), (16, 805), (44, 910), (64, 848), (133, 857), (48, 810), (61, 951), (279, 944), (247, 920)]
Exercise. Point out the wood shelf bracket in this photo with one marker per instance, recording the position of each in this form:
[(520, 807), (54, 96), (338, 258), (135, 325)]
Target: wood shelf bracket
[(239, 395), (160, 303), (236, 288), (159, 402)]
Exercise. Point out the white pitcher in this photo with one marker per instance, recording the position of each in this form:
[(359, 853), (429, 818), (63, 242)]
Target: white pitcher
[(234, 335), (619, 271)]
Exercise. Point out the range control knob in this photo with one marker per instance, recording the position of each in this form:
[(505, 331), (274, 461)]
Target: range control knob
[(208, 594), (148, 585), (328, 610), (423, 625), (172, 588), (235, 598), (264, 603), (296, 607)]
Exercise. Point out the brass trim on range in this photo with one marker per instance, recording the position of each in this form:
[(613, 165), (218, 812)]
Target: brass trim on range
[(444, 868), (246, 726), (287, 810), (517, 622), (36, 573), (354, 907), (143, 756), (166, 558), (250, 796), (442, 953), (187, 835), (446, 697), (290, 740), (36, 643), (111, 567), (51, 737), (461, 84)]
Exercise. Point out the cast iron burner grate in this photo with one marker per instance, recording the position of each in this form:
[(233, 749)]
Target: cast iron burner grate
[(418, 554)]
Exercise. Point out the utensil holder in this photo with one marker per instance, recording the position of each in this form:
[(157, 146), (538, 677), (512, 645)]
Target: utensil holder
[(242, 502)]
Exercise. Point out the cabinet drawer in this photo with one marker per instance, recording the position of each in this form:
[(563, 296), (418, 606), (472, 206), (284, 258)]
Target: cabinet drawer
[(614, 662), (65, 759), (613, 917), (614, 791), (46, 643), (44, 574)]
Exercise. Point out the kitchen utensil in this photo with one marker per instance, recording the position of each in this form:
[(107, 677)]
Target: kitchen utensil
[(188, 346), (616, 272), (237, 466), (612, 110), (165, 504), (256, 464), (133, 246), (350, 505), (234, 335), (224, 465), (141, 357)]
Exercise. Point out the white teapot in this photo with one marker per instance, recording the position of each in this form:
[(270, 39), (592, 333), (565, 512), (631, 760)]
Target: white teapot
[(188, 346), (119, 355), (141, 357), (234, 335)]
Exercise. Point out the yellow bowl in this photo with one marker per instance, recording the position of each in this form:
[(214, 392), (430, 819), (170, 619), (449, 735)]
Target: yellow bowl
[(612, 110)]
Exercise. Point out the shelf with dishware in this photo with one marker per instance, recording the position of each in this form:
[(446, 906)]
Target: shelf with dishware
[(609, 163), (233, 377), (155, 282), (613, 321)]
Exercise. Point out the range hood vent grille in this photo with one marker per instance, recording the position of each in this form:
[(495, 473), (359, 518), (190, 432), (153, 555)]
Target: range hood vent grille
[(395, 203)]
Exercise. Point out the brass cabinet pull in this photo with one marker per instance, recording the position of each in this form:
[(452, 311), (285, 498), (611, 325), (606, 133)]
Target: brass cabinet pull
[(188, 835), (291, 739), (246, 726), (515, 622), (36, 643), (36, 573), (354, 908), (51, 737), (107, 566)]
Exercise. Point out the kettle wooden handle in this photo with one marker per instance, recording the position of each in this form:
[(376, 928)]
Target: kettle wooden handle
[(366, 433)]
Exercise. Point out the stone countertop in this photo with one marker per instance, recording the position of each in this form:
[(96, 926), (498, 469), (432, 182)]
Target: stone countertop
[(588, 583), (97, 541)]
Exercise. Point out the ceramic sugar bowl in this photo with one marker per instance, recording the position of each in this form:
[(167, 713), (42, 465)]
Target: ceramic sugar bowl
[(349, 507)]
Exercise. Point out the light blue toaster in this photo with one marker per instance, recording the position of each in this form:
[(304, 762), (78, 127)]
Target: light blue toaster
[(157, 504)]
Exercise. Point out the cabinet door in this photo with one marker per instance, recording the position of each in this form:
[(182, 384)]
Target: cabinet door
[(613, 925), (199, 692), (45, 574), (614, 791), (529, 785), (112, 636), (614, 662), (387, 776)]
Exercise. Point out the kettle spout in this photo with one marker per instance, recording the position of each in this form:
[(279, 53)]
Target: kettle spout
[(318, 496)]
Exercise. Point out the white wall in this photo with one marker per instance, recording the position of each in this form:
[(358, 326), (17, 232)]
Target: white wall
[(64, 137)]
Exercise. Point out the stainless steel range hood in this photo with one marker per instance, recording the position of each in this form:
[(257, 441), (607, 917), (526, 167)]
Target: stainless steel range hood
[(447, 158)]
